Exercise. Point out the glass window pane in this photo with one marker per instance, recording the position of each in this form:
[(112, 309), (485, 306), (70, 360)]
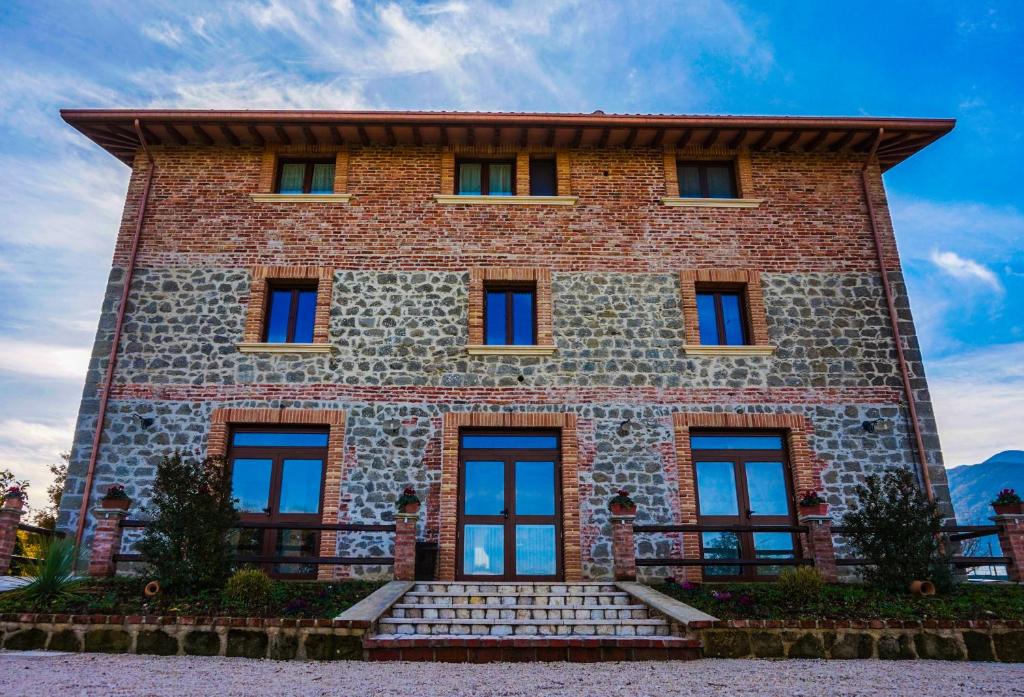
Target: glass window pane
[(535, 488), (766, 488), (689, 182), (720, 182), (772, 545), (721, 545), (495, 312), (736, 442), (292, 175), (246, 541), (250, 483), (716, 488), (485, 488), (277, 318), (305, 315), (734, 334), (300, 486), (469, 178), (497, 442), (296, 543), (535, 550), (499, 182), (542, 177), (294, 439), (483, 550), (707, 319), (323, 178), (522, 318)]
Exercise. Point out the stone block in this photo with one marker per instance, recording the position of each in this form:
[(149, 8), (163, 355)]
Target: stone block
[(1009, 646), (156, 643), (979, 647), (938, 647), (284, 647), (767, 645), (331, 647), (107, 641), (247, 643), (25, 640), (896, 647), (202, 643), (808, 645), (726, 643), (853, 645), (64, 640)]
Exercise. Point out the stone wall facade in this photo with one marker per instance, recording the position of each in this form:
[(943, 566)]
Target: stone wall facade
[(399, 327)]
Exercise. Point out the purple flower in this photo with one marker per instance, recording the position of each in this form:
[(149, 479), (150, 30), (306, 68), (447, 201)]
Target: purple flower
[(721, 596), (689, 586), (745, 600)]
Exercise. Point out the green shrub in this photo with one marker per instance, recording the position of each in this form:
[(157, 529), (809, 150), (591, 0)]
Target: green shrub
[(52, 576), (248, 590), (188, 539), (896, 530), (800, 584)]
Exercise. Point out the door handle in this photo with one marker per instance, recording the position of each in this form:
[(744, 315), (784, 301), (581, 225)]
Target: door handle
[(749, 512), (504, 512)]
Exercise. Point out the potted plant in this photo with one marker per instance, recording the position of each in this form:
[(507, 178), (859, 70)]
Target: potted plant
[(622, 504), (15, 497), (1008, 503), (116, 498), (812, 503), (408, 502)]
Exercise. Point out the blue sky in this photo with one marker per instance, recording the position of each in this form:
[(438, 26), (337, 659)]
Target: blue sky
[(957, 206)]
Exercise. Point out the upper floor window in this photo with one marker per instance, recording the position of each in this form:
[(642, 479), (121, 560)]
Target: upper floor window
[(707, 180), (543, 181), (305, 176), (721, 317), (485, 177), (291, 311), (510, 315)]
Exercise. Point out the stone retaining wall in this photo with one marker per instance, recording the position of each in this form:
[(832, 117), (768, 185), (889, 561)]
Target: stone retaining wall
[(253, 637), (975, 640)]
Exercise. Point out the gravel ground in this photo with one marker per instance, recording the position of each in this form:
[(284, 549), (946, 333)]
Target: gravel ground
[(41, 673)]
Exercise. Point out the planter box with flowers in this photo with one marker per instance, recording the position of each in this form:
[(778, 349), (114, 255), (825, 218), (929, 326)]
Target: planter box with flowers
[(812, 504), (116, 498), (621, 504), (14, 498), (1008, 503), (408, 502)]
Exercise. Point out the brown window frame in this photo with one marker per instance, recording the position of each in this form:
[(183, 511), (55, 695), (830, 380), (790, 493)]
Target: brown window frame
[(744, 514), (554, 173), (485, 172), (717, 290), (295, 286), (307, 181), (508, 288), (278, 454), (702, 173)]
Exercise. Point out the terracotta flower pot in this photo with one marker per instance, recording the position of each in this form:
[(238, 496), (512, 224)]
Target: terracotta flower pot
[(14, 503), (818, 509), (411, 508), (621, 509), (119, 504), (1008, 508), (922, 588)]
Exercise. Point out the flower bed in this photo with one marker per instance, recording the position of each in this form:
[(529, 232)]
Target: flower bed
[(849, 601)]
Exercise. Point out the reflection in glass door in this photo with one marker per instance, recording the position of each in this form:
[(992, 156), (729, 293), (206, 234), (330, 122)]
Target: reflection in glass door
[(743, 480), (277, 479), (510, 513)]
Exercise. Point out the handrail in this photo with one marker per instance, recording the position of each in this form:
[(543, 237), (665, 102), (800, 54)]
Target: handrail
[(274, 559), (35, 529), (718, 528), (252, 525)]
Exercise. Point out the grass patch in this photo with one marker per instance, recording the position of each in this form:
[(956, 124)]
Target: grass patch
[(124, 596), (850, 601)]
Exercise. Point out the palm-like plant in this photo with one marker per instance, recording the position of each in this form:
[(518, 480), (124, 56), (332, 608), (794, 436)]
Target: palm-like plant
[(52, 576)]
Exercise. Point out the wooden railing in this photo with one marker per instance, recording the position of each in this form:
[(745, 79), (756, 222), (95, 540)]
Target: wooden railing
[(47, 534)]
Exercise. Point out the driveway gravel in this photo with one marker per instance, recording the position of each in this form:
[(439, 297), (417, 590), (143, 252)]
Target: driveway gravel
[(43, 673)]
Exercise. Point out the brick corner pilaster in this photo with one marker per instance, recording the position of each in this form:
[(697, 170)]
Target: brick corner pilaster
[(10, 516), (405, 546), (106, 541), (1011, 541), (623, 547), (819, 547)]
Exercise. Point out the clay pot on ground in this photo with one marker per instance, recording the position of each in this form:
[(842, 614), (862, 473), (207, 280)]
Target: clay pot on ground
[(621, 509), (118, 504), (924, 589), (818, 509), (1008, 508), (411, 508)]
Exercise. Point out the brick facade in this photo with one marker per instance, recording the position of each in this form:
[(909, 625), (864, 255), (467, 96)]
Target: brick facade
[(400, 279)]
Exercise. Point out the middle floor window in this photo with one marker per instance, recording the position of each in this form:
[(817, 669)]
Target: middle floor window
[(291, 314), (721, 317), (485, 177), (510, 315)]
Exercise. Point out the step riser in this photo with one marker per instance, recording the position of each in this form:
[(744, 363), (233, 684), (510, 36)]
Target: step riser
[(458, 654), (567, 601), (624, 629), (511, 589), (520, 614)]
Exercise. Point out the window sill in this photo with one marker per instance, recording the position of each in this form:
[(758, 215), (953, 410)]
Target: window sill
[(455, 199), (678, 202), (301, 198), (261, 347), (736, 351), (500, 350)]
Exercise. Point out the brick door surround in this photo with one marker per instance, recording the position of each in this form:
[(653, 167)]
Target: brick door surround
[(448, 518)]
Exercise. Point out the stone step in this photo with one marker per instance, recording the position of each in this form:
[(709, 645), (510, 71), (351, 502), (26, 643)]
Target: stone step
[(537, 612), (486, 649), (517, 599), (495, 588), (518, 627)]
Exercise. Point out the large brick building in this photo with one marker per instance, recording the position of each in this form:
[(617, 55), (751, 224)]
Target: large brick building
[(515, 314)]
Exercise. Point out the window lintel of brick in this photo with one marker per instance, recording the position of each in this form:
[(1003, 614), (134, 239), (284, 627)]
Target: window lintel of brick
[(273, 153), (263, 277), (692, 280), (540, 278), (746, 196)]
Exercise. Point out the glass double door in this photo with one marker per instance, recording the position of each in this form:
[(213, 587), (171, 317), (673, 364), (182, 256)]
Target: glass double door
[(277, 481), (510, 510)]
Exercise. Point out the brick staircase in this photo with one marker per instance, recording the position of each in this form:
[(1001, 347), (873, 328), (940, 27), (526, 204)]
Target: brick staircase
[(524, 621)]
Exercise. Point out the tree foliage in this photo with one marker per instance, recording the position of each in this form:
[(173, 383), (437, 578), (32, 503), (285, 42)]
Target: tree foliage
[(896, 529), (191, 515), (47, 517)]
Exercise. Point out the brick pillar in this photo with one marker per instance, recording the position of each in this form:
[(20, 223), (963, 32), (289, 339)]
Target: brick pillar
[(1011, 541), (819, 545), (106, 541), (10, 516), (623, 549), (405, 546)]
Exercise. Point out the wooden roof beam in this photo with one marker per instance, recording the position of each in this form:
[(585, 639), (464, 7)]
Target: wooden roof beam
[(684, 139), (577, 138), (389, 134), (417, 137), (842, 142), (790, 141), (630, 138), (470, 135), (738, 139), (659, 136), (309, 136), (230, 135), (816, 141), (282, 135), (605, 134), (202, 135), (496, 136), (444, 136), (711, 139), (364, 137), (762, 142), (550, 142), (256, 136)]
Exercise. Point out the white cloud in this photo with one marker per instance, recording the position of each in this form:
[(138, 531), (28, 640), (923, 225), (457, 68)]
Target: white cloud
[(966, 269), (977, 230), (43, 360), (27, 448), (978, 398), (164, 32)]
